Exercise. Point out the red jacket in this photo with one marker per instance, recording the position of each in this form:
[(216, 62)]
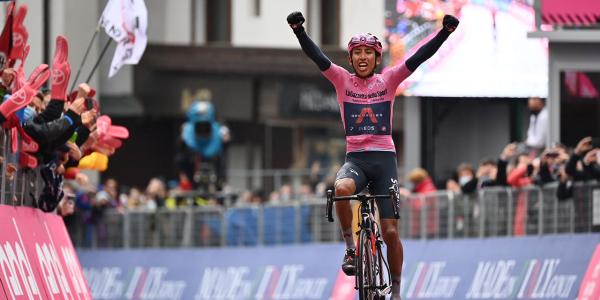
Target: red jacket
[(423, 188), (518, 177)]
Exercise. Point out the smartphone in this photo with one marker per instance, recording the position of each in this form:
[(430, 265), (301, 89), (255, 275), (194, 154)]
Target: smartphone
[(521, 148), (89, 103)]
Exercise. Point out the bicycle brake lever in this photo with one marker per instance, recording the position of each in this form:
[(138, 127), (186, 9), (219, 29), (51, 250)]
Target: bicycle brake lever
[(329, 208)]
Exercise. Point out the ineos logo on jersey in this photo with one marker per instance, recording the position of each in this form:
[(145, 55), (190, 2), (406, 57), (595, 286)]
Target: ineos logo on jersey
[(367, 111), (373, 118), (58, 76)]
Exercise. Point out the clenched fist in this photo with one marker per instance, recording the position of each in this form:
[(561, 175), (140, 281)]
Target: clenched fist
[(295, 20), (450, 23)]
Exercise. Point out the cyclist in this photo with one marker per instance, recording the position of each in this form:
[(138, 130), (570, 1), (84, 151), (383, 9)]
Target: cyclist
[(366, 101)]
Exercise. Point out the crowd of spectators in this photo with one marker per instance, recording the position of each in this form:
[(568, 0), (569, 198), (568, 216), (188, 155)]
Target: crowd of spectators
[(53, 132), (515, 167)]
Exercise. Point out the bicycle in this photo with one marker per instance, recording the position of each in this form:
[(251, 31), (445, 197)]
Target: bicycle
[(369, 279)]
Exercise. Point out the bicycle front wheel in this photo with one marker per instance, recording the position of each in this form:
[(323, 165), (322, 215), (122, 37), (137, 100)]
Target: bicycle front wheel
[(366, 276)]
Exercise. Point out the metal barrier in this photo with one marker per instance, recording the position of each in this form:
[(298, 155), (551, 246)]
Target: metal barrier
[(443, 215), (19, 186)]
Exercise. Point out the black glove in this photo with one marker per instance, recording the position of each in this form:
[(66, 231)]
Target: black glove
[(295, 20), (450, 23)]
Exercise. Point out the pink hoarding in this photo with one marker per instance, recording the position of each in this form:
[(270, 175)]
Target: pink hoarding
[(37, 259), (590, 289)]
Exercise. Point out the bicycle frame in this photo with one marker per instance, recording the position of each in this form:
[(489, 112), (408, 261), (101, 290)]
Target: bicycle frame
[(369, 252)]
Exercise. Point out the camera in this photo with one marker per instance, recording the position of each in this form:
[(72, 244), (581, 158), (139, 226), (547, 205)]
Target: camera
[(203, 129), (89, 103)]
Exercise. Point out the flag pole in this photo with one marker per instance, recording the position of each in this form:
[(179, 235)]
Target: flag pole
[(99, 59), (85, 57)]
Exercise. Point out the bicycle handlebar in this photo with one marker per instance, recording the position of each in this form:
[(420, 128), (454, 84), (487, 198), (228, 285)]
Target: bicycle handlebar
[(393, 195)]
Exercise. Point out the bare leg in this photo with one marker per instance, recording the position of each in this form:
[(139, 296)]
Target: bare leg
[(344, 187), (395, 253)]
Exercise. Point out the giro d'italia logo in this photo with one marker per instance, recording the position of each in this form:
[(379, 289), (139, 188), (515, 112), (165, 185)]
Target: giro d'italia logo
[(58, 77)]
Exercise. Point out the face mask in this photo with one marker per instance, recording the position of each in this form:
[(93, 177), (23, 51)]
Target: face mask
[(485, 178), (535, 112), (464, 179)]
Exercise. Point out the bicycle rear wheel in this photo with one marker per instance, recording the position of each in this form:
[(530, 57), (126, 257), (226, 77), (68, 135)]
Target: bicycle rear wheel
[(366, 274)]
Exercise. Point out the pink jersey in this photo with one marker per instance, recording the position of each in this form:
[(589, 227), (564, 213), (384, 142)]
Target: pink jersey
[(366, 106)]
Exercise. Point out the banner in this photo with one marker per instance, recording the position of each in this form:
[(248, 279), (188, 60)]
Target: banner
[(37, 258), (126, 23), (545, 267), (540, 267), (302, 272)]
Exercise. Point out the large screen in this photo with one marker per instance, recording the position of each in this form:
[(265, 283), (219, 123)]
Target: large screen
[(489, 55)]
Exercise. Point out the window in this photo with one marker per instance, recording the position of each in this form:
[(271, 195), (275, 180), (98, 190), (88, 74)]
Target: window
[(580, 106), (330, 22), (218, 21)]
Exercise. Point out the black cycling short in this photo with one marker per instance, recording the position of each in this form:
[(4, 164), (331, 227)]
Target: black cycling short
[(376, 168)]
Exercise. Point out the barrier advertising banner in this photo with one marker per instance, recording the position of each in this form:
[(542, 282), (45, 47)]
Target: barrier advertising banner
[(37, 259), (544, 267)]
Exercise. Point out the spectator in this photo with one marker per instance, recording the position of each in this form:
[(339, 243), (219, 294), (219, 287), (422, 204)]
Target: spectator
[(306, 192), (537, 133), (487, 173), (583, 163), (258, 197), (285, 193), (422, 186), (551, 162), (156, 192), (66, 206), (274, 197), (522, 173), (467, 181), (134, 199)]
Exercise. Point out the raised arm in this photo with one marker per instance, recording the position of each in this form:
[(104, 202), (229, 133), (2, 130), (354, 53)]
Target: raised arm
[(295, 20), (426, 51)]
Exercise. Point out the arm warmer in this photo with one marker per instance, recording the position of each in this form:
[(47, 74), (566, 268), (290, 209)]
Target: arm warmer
[(313, 51), (427, 50)]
